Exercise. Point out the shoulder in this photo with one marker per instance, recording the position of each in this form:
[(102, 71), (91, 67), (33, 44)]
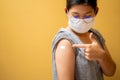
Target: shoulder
[(64, 50), (64, 45), (63, 36), (95, 31), (98, 34)]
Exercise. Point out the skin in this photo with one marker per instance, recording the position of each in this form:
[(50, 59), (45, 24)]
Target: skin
[(65, 57)]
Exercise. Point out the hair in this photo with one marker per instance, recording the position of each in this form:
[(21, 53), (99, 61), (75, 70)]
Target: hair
[(70, 3)]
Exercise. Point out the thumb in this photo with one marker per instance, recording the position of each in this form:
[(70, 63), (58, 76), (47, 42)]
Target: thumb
[(92, 37)]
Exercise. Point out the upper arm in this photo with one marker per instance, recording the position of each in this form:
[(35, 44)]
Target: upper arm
[(65, 60)]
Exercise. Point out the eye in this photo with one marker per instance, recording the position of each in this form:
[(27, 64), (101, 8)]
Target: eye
[(76, 16), (87, 17)]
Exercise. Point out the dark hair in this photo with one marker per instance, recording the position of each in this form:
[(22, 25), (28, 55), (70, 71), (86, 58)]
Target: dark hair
[(70, 3)]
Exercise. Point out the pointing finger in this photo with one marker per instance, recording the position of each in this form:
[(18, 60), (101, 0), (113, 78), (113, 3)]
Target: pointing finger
[(80, 45)]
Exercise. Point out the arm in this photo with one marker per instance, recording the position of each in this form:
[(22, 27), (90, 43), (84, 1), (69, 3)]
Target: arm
[(65, 60), (95, 52), (107, 64)]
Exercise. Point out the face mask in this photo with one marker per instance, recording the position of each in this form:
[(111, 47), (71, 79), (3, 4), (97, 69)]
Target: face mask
[(81, 25)]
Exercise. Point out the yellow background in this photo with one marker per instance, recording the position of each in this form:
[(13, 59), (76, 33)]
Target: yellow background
[(27, 28)]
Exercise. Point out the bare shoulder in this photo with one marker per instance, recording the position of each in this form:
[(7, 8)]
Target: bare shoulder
[(66, 43), (64, 47)]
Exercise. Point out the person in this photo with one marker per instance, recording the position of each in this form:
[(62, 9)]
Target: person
[(79, 52)]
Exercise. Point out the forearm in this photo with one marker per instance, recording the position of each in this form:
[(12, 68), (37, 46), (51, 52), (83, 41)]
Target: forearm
[(108, 65)]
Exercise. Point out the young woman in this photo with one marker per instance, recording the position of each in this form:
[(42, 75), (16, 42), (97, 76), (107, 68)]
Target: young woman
[(79, 51)]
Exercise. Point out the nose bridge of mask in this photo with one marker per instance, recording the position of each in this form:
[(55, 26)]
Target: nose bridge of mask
[(81, 20), (77, 20)]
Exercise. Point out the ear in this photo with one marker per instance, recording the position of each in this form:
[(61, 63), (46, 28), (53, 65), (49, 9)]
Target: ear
[(96, 10), (65, 9)]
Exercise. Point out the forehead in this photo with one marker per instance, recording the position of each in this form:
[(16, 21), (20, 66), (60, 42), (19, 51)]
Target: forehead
[(82, 8)]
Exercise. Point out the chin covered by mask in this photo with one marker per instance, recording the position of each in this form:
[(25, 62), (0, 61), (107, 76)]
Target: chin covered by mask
[(81, 25)]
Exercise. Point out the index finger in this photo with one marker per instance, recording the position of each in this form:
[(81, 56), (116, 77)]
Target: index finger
[(80, 45)]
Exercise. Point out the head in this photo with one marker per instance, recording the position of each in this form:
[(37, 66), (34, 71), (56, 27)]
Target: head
[(81, 8), (81, 14)]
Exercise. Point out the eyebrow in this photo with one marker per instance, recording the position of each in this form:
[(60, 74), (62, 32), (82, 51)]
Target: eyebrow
[(85, 13), (88, 12), (75, 13)]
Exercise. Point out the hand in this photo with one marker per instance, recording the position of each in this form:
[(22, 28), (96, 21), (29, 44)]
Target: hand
[(92, 51)]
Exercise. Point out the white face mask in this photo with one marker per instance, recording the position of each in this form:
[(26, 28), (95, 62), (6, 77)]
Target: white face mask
[(81, 25)]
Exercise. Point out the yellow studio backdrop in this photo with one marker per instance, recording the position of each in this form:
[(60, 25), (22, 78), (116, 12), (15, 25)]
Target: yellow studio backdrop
[(27, 28)]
